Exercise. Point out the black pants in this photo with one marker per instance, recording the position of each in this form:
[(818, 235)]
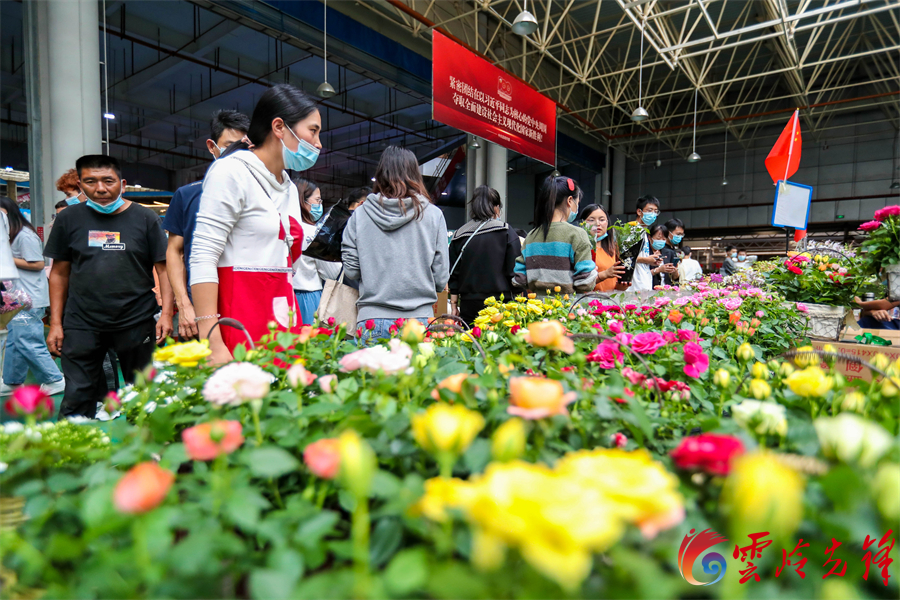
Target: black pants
[(83, 353)]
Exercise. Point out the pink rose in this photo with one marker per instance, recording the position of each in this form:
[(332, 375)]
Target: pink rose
[(887, 211), (207, 441), (669, 336), (870, 225), (350, 362), (619, 440), (607, 355), (660, 302), (327, 383), (731, 303), (696, 361), (685, 335), (323, 458), (802, 307), (624, 338), (615, 327), (760, 314), (30, 400), (647, 343), (298, 376), (633, 376)]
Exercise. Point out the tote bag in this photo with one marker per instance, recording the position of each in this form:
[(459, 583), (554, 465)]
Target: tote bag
[(339, 301)]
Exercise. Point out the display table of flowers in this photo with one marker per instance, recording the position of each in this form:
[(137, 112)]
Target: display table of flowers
[(554, 450)]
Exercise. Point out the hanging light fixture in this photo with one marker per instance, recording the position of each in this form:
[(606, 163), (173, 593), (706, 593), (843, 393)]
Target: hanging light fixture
[(325, 90), (555, 173), (694, 157), (725, 159), (640, 113), (473, 143), (525, 23)]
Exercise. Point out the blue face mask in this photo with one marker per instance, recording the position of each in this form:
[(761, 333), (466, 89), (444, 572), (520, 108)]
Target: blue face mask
[(659, 244), (316, 211), (600, 238), (303, 158), (572, 216), (734, 255), (649, 218), (676, 239), (109, 208), (73, 200)]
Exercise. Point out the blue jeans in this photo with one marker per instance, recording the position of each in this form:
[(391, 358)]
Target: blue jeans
[(26, 348), (308, 303), (381, 331)]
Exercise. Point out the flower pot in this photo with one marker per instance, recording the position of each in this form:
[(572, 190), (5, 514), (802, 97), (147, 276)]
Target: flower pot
[(825, 322), (629, 259), (893, 281)]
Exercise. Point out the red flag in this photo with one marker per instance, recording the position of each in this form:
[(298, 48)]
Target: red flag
[(799, 234), (784, 158)]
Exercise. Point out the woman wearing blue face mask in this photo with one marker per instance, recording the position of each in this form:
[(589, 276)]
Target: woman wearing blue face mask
[(248, 238), (671, 252), (310, 272), (658, 235)]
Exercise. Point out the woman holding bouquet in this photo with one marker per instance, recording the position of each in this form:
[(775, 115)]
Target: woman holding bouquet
[(605, 253)]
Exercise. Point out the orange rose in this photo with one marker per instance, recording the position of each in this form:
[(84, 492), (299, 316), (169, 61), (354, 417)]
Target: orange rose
[(210, 440), (452, 383), (675, 317), (550, 334), (537, 398), (142, 488), (734, 317), (323, 458)]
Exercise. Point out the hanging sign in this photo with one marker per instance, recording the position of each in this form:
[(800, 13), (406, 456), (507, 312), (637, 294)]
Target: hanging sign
[(792, 203), (473, 95)]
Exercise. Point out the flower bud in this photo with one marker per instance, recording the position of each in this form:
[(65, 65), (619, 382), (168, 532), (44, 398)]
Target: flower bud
[(722, 378), (880, 361), (806, 357), (786, 369), (323, 458), (889, 387), (508, 442), (759, 389), (142, 488), (413, 331), (358, 463), (853, 402), (762, 494), (884, 488), (446, 428), (745, 352), (760, 371)]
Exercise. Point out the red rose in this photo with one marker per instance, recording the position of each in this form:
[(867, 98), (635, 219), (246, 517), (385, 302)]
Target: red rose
[(795, 270), (708, 452), (370, 324), (30, 400)]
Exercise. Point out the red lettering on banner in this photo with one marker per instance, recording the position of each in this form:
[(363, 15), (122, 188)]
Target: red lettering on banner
[(473, 95), (40, 232)]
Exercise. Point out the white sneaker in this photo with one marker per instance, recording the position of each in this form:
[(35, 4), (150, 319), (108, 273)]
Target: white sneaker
[(5, 390), (57, 387)]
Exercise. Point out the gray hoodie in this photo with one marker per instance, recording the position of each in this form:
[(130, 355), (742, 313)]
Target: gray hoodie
[(400, 262)]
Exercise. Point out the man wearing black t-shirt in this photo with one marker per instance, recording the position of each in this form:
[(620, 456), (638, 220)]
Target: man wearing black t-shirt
[(104, 252)]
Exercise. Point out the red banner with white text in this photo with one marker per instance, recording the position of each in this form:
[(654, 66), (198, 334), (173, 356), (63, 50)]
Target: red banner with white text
[(473, 95)]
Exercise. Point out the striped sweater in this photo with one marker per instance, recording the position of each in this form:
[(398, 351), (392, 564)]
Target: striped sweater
[(561, 259)]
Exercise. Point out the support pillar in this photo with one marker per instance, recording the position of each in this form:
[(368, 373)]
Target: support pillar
[(618, 184), (476, 168), (63, 94), (496, 173)]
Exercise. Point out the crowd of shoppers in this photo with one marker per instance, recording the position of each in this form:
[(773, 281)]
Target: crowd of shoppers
[(236, 243)]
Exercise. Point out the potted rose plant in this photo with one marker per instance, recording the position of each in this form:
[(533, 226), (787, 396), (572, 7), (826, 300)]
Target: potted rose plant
[(628, 237), (882, 247)]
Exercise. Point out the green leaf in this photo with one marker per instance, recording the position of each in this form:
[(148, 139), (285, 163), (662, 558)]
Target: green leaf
[(269, 584), (161, 425), (454, 580), (239, 353), (407, 572), (478, 455), (385, 485), (63, 482), (313, 530), (244, 506), (386, 539), (174, 455), (270, 461)]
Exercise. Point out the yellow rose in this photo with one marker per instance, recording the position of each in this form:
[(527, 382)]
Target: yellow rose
[(811, 382), (806, 357), (745, 352), (759, 389), (508, 442), (722, 378), (550, 334), (442, 493), (786, 369), (762, 494), (557, 289), (760, 370), (187, 354), (358, 463), (443, 428), (537, 398), (490, 301), (889, 387), (413, 331), (509, 323), (884, 488), (880, 361), (853, 402)]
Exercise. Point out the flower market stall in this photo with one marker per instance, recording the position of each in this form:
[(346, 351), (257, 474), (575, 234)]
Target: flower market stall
[(577, 447)]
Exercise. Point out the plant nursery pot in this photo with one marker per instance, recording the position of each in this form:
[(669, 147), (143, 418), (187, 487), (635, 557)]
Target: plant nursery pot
[(826, 322), (893, 280), (629, 259)]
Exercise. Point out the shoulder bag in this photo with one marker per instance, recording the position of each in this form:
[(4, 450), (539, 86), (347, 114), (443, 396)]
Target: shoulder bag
[(339, 301)]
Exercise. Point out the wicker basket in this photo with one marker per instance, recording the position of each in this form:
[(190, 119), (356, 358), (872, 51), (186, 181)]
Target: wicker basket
[(826, 322), (893, 280)]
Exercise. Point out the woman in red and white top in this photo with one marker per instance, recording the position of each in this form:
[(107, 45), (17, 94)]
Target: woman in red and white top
[(248, 236)]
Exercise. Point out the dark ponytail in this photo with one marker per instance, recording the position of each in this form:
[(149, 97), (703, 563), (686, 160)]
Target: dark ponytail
[(282, 100), (553, 193)]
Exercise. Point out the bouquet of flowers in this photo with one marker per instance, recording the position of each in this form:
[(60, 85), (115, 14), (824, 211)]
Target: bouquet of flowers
[(828, 273), (13, 301), (629, 237), (882, 247)]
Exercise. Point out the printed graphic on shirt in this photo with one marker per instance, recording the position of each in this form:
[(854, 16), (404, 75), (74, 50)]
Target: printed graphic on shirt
[(107, 240)]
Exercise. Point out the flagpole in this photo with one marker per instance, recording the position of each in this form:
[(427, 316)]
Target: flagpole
[(791, 146)]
